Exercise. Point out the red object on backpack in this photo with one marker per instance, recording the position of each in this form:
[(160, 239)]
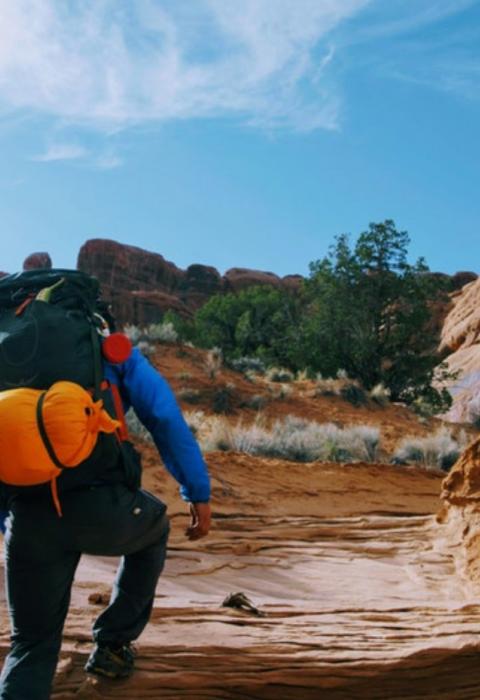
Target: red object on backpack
[(116, 348)]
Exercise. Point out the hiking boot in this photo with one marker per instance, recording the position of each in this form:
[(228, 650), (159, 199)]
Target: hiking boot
[(111, 662)]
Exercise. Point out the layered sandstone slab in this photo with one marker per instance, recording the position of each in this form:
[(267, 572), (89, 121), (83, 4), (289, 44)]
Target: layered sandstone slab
[(358, 601)]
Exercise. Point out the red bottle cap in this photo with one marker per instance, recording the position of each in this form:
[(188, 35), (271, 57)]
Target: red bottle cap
[(116, 348)]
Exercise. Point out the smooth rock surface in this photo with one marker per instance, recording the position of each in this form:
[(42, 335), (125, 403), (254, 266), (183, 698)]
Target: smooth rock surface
[(359, 600)]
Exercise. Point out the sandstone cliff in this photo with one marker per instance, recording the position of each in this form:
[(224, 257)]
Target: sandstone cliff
[(461, 339), (460, 515)]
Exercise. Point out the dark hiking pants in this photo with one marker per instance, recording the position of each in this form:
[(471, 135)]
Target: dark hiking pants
[(41, 555)]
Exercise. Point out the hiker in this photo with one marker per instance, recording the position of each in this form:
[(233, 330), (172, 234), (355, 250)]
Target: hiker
[(98, 509)]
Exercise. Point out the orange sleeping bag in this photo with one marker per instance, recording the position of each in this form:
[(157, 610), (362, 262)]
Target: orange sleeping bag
[(71, 422)]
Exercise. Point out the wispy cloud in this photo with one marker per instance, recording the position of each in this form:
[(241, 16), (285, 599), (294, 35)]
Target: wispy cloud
[(91, 158), (106, 63), (268, 63), (62, 151), (108, 161), (420, 42)]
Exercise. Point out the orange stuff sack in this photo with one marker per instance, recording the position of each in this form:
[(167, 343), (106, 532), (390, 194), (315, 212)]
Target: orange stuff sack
[(71, 421)]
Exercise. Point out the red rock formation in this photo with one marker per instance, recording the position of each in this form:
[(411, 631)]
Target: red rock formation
[(142, 286), (127, 267), (238, 278), (37, 261), (293, 282)]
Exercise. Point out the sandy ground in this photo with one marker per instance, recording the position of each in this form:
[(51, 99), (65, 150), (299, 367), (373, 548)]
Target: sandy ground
[(359, 600)]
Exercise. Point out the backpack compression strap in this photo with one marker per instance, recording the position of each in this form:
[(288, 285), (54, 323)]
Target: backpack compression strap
[(50, 450)]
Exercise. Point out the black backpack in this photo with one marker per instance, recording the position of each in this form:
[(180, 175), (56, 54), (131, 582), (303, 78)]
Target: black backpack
[(50, 330), (57, 338)]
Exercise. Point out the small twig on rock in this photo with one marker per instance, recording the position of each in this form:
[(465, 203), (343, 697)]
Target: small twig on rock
[(239, 601)]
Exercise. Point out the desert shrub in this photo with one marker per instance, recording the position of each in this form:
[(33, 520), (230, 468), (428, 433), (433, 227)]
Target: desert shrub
[(248, 364), (189, 395), (157, 332), (327, 387), (184, 328), (134, 333), (218, 436), (380, 394), (428, 406), (369, 437), (213, 362), (222, 400), (162, 332), (257, 402), (279, 374), (135, 427), (440, 450), (354, 394), (281, 392), (299, 440), (195, 420), (145, 347)]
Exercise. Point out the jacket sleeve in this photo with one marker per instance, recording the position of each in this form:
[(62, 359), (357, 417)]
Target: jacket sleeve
[(150, 395)]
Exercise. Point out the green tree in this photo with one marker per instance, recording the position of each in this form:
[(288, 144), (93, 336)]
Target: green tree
[(369, 313), (260, 321)]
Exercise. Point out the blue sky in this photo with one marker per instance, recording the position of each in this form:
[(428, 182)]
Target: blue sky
[(242, 133)]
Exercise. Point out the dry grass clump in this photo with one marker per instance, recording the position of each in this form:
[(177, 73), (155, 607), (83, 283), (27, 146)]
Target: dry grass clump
[(213, 362), (195, 420), (279, 374), (380, 394), (438, 451), (157, 332), (281, 392), (341, 385), (295, 439), (162, 332), (248, 364)]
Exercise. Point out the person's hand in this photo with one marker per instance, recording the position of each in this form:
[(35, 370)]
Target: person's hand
[(201, 515)]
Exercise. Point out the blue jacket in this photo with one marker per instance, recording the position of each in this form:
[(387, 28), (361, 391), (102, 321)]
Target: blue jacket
[(143, 387)]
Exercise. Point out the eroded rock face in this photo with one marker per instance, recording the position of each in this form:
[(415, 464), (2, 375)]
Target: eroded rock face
[(140, 286), (460, 514), (461, 337)]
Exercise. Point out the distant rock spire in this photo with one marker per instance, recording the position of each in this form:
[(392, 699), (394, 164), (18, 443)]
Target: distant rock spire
[(37, 261)]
